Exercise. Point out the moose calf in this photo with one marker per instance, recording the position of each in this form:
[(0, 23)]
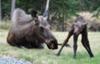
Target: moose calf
[(79, 27)]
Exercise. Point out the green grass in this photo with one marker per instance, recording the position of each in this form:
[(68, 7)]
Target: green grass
[(46, 56), (5, 25)]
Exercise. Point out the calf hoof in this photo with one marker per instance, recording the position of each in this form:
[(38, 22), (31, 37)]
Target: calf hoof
[(91, 56), (57, 54), (74, 56)]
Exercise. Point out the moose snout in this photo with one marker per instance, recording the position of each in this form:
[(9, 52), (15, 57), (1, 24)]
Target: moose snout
[(52, 44)]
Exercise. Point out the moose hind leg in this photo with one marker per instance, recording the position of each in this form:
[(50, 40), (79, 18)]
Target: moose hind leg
[(86, 45)]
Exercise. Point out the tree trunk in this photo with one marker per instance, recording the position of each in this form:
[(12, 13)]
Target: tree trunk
[(0, 11), (13, 6), (46, 9), (63, 17)]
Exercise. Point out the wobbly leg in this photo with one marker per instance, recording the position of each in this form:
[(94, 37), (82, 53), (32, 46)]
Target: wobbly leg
[(86, 44), (66, 41), (75, 38)]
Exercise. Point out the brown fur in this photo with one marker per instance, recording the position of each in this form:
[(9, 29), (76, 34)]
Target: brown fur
[(24, 32)]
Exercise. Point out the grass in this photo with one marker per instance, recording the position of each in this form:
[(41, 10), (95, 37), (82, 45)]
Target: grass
[(5, 24), (46, 56)]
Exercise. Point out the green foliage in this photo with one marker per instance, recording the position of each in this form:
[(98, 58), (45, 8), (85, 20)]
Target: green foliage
[(57, 7), (60, 9), (5, 5)]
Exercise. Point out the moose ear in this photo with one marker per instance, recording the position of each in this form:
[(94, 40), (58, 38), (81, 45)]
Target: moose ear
[(33, 13)]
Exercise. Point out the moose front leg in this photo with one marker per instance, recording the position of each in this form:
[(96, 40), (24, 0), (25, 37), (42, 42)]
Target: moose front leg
[(66, 41), (75, 38)]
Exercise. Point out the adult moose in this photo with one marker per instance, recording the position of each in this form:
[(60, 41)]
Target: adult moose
[(31, 31), (79, 27), (26, 32)]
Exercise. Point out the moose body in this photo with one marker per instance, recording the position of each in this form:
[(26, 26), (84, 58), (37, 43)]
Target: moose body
[(30, 32), (79, 27)]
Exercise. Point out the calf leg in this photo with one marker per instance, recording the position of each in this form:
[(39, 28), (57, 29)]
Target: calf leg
[(65, 42), (86, 44), (75, 38)]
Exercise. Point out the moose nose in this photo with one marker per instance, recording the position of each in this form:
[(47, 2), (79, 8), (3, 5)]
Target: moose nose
[(54, 44)]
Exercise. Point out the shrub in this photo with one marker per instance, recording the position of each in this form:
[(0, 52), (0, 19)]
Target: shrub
[(94, 26)]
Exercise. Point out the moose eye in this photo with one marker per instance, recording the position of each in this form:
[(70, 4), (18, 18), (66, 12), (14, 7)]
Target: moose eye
[(41, 29)]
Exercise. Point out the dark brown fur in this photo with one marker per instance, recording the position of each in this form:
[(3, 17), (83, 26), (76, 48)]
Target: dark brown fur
[(29, 34)]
